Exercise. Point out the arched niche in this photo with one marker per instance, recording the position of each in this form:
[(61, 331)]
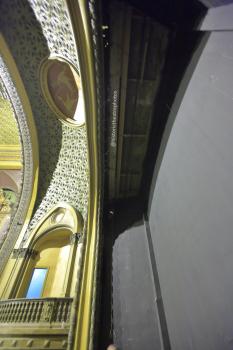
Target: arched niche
[(52, 246), (61, 215), (52, 255)]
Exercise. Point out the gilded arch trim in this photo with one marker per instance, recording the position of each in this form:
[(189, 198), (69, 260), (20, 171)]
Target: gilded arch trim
[(16, 92), (84, 25)]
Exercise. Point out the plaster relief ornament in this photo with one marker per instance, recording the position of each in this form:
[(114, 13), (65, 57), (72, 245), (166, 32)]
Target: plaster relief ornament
[(5, 214), (5, 207)]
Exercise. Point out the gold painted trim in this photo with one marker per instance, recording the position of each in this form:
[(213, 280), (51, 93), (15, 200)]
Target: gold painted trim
[(81, 25), (10, 157), (10, 165), (43, 70), (16, 78)]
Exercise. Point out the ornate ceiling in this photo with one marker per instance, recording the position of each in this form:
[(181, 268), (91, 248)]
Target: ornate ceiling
[(34, 31), (9, 133)]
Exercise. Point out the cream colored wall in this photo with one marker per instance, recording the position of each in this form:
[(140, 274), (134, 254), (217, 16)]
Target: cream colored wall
[(56, 261), (6, 282), (55, 253), (48, 259), (59, 287)]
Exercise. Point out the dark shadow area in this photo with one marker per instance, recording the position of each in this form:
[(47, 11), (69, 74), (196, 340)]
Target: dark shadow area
[(175, 14), (123, 215), (119, 216), (28, 46), (184, 51)]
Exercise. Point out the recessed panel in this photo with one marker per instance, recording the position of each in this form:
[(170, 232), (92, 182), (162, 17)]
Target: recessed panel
[(62, 89)]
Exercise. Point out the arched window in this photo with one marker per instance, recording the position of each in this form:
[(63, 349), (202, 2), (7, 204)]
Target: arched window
[(49, 270), (46, 266)]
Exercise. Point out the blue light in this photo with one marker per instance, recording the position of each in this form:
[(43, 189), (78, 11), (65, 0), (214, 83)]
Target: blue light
[(37, 282)]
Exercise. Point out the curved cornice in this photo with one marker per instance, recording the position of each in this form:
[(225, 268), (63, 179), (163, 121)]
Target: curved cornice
[(83, 31), (21, 105)]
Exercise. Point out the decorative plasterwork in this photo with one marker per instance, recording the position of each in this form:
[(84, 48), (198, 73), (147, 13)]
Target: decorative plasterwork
[(20, 212), (3, 91), (87, 32), (32, 35), (57, 29), (9, 133), (69, 181), (62, 215), (24, 253)]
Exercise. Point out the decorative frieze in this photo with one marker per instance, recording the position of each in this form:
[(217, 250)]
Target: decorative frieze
[(24, 253)]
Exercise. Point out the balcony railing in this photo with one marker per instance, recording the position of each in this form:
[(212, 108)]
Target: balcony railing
[(46, 310)]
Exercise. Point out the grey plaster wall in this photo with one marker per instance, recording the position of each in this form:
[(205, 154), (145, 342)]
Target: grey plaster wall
[(191, 212), (135, 319)]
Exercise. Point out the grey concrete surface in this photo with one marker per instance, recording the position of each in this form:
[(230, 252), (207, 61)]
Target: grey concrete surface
[(191, 213)]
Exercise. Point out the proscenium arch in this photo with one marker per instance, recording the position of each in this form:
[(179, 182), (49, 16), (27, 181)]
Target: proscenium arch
[(83, 18), (17, 94)]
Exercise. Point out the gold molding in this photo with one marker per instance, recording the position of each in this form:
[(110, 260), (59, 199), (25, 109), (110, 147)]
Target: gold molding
[(43, 70), (18, 83), (81, 25), (10, 157)]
